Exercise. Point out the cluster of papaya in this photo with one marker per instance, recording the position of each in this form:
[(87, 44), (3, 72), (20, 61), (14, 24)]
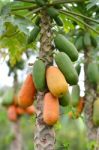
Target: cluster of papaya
[(14, 111), (55, 79), (53, 12), (85, 41)]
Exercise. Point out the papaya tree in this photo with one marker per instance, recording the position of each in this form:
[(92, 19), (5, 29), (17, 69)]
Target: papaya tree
[(14, 112), (87, 43), (29, 23)]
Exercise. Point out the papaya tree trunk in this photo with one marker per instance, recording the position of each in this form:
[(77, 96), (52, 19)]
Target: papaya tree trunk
[(15, 126), (44, 138), (17, 138), (90, 96)]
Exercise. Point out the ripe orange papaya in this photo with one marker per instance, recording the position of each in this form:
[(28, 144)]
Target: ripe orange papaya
[(12, 115), (27, 92), (50, 109), (30, 110), (56, 82), (80, 107), (20, 111)]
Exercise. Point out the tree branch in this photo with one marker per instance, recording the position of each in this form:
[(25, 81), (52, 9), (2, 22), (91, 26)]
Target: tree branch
[(66, 1), (34, 11), (77, 19), (80, 15), (25, 7), (28, 1)]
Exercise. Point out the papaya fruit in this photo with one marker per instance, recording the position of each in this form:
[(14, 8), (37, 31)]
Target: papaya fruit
[(27, 92), (79, 43), (20, 111), (87, 40), (52, 12), (66, 67), (40, 2), (93, 41), (77, 112), (37, 21), (93, 73), (58, 21), (80, 107), (65, 99), (33, 34), (96, 112), (56, 82), (78, 68), (8, 97), (11, 112), (72, 114), (64, 45), (30, 110), (58, 6), (39, 76), (50, 109), (75, 95)]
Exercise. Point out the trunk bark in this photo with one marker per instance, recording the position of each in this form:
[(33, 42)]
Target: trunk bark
[(17, 141), (90, 96), (44, 138)]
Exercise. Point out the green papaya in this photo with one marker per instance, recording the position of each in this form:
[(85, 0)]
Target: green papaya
[(93, 73), (66, 67), (8, 97), (52, 12), (75, 95), (87, 40), (58, 21), (58, 6), (37, 21), (78, 68), (65, 99), (79, 43), (33, 34), (64, 45), (95, 115), (93, 41), (40, 2), (39, 75)]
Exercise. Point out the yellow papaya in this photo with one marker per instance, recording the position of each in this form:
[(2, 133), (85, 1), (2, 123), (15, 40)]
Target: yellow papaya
[(56, 82)]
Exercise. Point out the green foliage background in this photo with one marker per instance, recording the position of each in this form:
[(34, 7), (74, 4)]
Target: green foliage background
[(70, 134)]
